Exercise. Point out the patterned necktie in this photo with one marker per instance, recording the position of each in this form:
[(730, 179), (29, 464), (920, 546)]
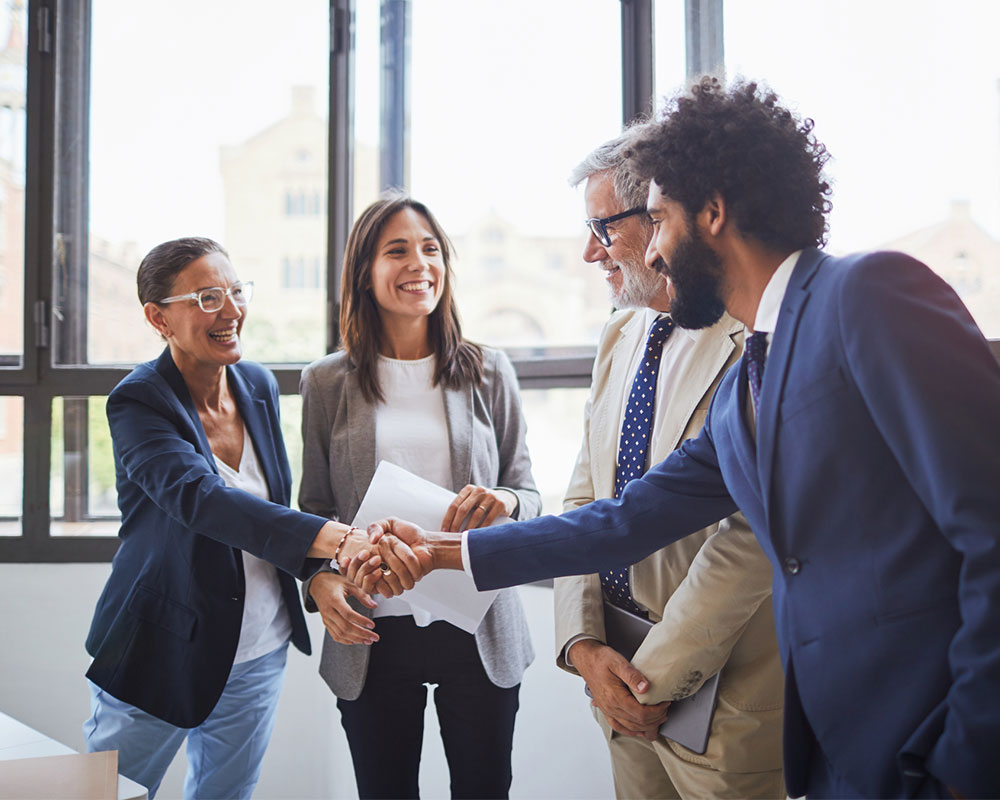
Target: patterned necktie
[(633, 446), (756, 352)]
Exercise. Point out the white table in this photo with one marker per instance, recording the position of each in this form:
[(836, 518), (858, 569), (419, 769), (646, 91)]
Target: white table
[(17, 740)]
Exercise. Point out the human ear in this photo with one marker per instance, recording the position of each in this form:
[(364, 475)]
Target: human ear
[(714, 214), (157, 319)]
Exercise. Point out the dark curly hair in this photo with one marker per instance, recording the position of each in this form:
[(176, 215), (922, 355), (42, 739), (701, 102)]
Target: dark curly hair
[(741, 143)]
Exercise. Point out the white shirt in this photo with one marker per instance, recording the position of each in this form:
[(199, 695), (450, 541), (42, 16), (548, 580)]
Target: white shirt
[(773, 296), (266, 624), (411, 431)]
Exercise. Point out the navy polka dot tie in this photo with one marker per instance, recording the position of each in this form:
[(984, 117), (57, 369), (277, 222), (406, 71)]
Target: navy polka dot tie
[(756, 353), (633, 446)]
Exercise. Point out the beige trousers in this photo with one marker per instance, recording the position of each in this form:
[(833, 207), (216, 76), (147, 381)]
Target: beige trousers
[(651, 770)]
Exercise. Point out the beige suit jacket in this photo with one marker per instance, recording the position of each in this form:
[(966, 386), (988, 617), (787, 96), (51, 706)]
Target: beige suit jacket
[(708, 594)]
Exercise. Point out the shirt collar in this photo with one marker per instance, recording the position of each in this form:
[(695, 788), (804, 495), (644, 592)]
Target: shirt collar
[(774, 294)]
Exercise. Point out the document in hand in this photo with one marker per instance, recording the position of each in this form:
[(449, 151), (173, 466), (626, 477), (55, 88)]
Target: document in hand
[(689, 721), (448, 594)]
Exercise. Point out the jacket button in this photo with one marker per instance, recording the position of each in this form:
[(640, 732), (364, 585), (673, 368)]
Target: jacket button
[(792, 566), (234, 597)]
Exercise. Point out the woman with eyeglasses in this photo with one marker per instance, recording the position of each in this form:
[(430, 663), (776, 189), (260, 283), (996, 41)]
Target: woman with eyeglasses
[(190, 634), (408, 389)]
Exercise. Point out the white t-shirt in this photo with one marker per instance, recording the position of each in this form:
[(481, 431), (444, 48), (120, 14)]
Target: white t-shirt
[(266, 624), (411, 431)]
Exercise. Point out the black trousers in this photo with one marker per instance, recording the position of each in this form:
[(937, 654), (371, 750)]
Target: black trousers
[(385, 725)]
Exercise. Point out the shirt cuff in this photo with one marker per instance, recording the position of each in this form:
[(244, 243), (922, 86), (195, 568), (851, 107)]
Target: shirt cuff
[(466, 562), (569, 646)]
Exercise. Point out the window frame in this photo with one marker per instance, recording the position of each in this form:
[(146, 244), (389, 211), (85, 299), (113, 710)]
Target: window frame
[(56, 212)]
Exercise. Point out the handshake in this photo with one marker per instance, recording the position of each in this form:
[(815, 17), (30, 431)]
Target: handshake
[(389, 559), (392, 557)]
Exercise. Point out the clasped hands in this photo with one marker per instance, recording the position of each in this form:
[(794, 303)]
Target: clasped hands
[(392, 555)]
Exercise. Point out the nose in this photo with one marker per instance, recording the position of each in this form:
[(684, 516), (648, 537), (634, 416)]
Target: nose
[(651, 254), (230, 309), (593, 250)]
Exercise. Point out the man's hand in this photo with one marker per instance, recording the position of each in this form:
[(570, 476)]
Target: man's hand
[(612, 682), (345, 625)]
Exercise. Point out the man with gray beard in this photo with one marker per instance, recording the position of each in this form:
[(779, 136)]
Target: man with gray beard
[(708, 596)]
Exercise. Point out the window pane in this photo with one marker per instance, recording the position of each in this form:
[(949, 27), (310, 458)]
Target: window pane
[(367, 19), (82, 497), (228, 141), (11, 464), (670, 59), (500, 116), (904, 95), (291, 430), (13, 87), (555, 431)]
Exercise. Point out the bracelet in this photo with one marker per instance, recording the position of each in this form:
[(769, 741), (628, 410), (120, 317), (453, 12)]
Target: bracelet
[(336, 553)]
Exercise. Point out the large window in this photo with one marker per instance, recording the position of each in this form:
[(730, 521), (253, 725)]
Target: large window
[(492, 145), (124, 124)]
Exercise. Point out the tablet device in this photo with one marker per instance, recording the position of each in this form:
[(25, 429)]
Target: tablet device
[(689, 721)]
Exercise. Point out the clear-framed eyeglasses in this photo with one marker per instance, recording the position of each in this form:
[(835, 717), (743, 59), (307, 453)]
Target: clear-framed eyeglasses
[(598, 225), (213, 299)]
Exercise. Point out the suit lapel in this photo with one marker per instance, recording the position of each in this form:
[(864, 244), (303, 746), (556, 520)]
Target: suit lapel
[(712, 349), (776, 368), (458, 411), (360, 435), (609, 411), (254, 412), (746, 447), (166, 367)]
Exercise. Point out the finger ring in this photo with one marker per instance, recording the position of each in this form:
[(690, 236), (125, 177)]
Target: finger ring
[(385, 569), (482, 508)]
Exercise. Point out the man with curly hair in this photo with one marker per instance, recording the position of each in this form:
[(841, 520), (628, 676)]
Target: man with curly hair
[(858, 435)]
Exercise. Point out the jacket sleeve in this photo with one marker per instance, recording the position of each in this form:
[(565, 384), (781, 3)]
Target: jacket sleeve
[(510, 429), (156, 456), (579, 607), (932, 387), (728, 581), (679, 496), (315, 490)]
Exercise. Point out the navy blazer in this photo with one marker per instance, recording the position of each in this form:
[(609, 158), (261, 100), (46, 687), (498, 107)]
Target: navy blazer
[(874, 489), (167, 624)]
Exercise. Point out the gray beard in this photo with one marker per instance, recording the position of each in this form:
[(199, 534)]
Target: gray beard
[(639, 286)]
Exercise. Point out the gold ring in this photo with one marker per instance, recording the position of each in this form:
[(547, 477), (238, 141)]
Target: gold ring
[(482, 508), (385, 569)]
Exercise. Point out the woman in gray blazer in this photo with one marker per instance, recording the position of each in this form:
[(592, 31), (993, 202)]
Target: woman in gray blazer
[(407, 388)]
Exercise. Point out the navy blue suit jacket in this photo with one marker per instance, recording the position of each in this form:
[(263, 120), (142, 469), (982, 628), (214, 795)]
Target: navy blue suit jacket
[(167, 624), (874, 489)]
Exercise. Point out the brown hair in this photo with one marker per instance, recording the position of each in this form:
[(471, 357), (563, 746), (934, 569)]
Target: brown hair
[(458, 362), (164, 263)]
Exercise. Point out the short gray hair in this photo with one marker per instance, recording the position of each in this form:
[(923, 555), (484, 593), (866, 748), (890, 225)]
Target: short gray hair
[(630, 188)]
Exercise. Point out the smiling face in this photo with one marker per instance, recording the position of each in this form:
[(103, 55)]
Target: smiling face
[(408, 271), (198, 339), (631, 284), (694, 269)]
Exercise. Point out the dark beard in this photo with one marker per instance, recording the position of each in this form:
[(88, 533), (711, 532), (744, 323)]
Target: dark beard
[(695, 270)]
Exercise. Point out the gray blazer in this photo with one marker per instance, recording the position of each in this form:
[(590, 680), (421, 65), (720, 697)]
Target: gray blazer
[(486, 437)]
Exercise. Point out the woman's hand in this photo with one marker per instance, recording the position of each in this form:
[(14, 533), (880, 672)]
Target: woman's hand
[(345, 625), (477, 507)]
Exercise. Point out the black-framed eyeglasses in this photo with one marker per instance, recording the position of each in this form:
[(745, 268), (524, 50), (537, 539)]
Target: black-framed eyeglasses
[(213, 299), (598, 226)]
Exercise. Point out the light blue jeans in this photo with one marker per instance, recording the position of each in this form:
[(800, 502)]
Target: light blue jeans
[(224, 752)]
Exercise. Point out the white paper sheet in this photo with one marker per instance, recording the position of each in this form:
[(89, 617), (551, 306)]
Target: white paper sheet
[(448, 594)]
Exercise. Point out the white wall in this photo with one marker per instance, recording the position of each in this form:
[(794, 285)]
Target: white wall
[(559, 751)]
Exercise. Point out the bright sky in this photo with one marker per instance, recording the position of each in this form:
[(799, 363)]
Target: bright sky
[(508, 97)]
